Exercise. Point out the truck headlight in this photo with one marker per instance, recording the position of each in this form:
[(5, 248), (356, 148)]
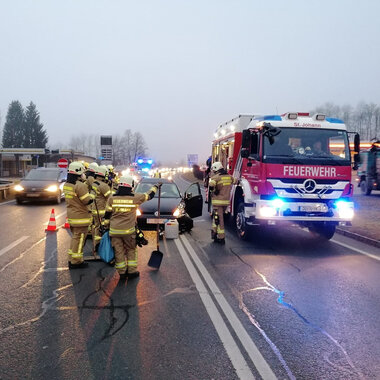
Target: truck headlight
[(268, 211), (345, 209)]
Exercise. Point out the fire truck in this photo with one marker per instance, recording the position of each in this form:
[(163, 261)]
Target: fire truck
[(292, 168)]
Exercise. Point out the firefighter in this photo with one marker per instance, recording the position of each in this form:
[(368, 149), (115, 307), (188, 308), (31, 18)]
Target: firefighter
[(90, 174), (102, 192), (121, 217), (220, 185), (77, 200)]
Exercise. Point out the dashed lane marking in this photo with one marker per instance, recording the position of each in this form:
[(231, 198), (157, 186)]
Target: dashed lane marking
[(7, 202), (12, 245)]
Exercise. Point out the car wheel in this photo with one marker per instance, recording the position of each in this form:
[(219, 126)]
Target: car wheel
[(59, 198)]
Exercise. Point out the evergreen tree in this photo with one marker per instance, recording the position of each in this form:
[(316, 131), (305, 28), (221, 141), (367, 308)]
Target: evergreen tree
[(35, 135), (13, 133)]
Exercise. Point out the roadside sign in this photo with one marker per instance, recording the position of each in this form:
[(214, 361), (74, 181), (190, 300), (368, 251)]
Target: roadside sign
[(63, 163)]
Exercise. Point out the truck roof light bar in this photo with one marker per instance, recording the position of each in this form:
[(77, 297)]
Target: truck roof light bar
[(291, 115), (334, 120), (319, 117)]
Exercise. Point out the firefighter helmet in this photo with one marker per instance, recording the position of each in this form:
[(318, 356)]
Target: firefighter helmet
[(93, 167), (77, 168), (126, 181), (216, 166), (101, 170), (110, 168)]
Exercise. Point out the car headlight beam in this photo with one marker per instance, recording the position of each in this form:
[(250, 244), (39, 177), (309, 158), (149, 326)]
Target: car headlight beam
[(52, 189), (18, 188)]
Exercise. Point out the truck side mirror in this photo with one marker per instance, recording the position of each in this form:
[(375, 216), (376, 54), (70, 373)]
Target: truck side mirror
[(356, 161), (246, 139), (357, 143), (244, 153)]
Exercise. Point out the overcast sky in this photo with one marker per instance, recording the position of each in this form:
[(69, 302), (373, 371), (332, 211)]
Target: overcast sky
[(175, 70)]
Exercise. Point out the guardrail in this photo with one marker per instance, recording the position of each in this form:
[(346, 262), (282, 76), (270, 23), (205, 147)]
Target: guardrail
[(5, 189)]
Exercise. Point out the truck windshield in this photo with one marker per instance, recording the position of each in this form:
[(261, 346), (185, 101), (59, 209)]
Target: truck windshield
[(308, 146)]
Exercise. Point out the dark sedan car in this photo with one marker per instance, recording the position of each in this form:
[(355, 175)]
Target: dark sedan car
[(172, 205), (41, 183)]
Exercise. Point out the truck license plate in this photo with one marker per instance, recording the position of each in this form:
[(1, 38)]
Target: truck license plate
[(313, 208), (155, 221)]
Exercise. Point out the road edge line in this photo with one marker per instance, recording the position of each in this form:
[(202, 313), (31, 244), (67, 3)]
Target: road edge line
[(254, 353), (236, 357)]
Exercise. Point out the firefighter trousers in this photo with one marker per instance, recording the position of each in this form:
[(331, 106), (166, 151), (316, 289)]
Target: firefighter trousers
[(125, 253), (218, 221), (77, 242), (96, 235)]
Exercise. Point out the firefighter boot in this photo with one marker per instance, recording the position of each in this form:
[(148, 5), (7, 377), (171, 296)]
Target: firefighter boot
[(78, 266), (133, 275)]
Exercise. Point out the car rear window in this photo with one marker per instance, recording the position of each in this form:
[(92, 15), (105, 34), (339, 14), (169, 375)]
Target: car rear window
[(168, 190)]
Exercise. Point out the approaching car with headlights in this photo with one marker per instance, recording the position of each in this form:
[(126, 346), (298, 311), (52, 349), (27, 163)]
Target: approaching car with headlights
[(41, 183), (173, 205)]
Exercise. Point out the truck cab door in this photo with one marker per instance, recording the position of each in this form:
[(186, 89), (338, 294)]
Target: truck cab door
[(193, 200)]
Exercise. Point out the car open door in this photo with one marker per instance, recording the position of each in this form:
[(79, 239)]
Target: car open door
[(193, 200)]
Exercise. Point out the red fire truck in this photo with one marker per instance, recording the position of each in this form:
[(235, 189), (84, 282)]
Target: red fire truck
[(292, 168)]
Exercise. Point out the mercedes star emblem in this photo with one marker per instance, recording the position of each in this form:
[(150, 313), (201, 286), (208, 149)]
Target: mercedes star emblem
[(309, 185)]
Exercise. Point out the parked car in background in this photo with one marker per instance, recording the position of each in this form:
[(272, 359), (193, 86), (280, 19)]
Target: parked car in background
[(172, 206), (41, 184)]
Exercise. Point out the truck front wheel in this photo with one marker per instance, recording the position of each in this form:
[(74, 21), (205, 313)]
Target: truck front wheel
[(365, 186), (241, 225), (325, 231)]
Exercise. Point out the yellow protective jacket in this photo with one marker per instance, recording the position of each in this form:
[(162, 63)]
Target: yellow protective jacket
[(123, 209), (220, 185), (77, 198), (102, 193)]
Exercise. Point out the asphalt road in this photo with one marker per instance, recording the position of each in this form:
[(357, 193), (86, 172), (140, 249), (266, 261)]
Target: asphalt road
[(282, 305)]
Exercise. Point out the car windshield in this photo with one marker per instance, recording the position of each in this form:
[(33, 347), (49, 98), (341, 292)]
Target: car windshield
[(168, 190), (308, 146), (42, 175)]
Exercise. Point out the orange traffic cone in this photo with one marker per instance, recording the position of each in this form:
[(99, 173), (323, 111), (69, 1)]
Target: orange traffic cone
[(52, 225), (67, 224)]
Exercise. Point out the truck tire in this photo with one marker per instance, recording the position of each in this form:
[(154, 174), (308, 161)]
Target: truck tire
[(242, 228), (325, 231), (365, 187)]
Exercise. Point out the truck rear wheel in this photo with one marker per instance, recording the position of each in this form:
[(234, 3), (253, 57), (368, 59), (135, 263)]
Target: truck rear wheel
[(325, 231), (365, 187), (241, 226)]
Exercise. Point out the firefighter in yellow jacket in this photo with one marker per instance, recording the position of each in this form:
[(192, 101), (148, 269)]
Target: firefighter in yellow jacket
[(220, 187), (102, 192), (121, 215), (77, 200), (90, 174)]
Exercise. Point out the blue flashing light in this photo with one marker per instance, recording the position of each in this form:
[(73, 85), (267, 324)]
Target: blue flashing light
[(269, 118), (277, 203), (150, 162), (140, 161), (334, 120), (145, 169)]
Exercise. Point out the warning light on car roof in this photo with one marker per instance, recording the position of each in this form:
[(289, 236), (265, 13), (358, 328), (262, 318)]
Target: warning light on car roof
[(140, 161)]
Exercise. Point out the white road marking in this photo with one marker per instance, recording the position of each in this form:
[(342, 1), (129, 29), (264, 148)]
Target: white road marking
[(12, 245), (56, 217), (242, 369), (4, 203), (258, 360), (357, 250)]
